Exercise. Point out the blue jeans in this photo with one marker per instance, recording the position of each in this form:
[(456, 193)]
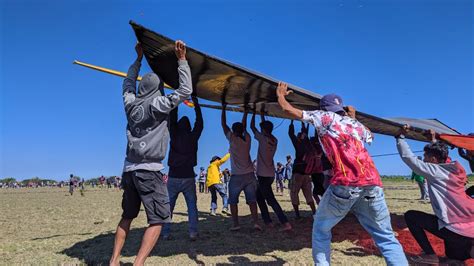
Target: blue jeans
[(368, 205), (187, 186), (214, 189), (247, 183)]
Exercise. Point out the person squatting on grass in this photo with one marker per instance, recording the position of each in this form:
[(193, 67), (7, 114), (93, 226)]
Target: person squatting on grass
[(355, 185), (453, 219), (214, 184), (299, 179), (267, 146), (243, 176), (147, 114), (181, 161)]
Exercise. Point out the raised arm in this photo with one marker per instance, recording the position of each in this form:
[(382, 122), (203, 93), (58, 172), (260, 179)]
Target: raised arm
[(291, 133), (199, 124), (224, 120), (244, 118), (165, 104), (411, 160), (305, 128), (223, 160), (173, 120), (129, 86), (252, 125), (282, 92)]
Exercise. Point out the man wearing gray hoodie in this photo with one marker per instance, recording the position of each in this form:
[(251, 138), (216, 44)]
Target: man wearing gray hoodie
[(453, 211), (147, 133)]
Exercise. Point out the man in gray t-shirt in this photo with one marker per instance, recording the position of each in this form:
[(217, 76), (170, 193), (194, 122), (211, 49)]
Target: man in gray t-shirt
[(243, 177), (267, 145)]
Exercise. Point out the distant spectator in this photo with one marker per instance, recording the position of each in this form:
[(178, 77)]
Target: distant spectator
[(214, 184), (71, 184), (422, 184), (202, 179), (280, 176), (226, 176)]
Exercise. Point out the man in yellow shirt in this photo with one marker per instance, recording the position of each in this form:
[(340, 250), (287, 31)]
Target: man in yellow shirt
[(214, 184)]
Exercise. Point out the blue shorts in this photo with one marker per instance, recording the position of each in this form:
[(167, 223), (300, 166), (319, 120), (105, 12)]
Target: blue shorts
[(247, 183)]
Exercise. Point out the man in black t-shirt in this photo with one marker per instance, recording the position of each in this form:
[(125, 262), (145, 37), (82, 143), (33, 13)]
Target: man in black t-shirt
[(182, 159)]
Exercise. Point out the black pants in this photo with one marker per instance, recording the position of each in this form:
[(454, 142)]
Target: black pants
[(318, 184), (456, 246), (265, 196), (201, 187)]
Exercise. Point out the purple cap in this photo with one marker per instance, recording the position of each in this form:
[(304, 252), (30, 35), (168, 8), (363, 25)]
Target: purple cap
[(332, 103)]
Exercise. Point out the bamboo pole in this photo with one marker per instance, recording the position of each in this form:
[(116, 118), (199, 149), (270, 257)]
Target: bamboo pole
[(109, 71)]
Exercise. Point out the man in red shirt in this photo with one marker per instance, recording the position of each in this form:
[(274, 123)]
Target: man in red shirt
[(355, 185)]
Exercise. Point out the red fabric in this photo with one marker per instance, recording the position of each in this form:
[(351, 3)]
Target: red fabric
[(350, 230), (465, 142), (352, 164)]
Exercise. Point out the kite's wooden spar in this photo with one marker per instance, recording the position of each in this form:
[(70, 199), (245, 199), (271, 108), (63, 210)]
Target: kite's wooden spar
[(108, 71), (121, 74)]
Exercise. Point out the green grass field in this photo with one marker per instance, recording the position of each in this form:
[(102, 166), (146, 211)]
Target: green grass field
[(48, 226)]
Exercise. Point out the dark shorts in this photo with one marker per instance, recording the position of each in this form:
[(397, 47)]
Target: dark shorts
[(148, 188)]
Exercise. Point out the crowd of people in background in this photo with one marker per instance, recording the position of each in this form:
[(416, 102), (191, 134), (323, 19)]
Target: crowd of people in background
[(74, 181)]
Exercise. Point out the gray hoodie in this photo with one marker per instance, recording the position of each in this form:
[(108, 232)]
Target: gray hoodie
[(453, 208), (147, 116)]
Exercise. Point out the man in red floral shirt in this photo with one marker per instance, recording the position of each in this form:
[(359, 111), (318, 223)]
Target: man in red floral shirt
[(355, 185)]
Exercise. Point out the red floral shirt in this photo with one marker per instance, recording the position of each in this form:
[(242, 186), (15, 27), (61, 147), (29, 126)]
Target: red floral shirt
[(342, 139)]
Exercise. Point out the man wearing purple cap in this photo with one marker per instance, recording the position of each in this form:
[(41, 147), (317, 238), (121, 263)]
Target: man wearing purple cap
[(355, 185)]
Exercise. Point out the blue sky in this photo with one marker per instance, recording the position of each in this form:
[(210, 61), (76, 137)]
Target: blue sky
[(387, 58)]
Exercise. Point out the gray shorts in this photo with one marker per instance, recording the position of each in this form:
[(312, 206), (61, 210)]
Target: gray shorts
[(247, 183), (145, 187)]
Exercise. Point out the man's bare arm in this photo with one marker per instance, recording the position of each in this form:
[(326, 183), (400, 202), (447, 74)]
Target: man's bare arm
[(252, 125), (224, 119), (282, 92)]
